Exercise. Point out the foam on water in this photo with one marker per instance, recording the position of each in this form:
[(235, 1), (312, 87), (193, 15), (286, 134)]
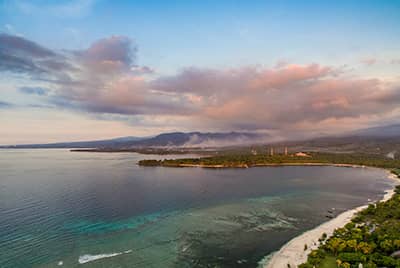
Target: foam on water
[(88, 258), (263, 263)]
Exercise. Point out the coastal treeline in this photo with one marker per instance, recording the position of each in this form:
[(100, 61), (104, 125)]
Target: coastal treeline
[(249, 160), (370, 240)]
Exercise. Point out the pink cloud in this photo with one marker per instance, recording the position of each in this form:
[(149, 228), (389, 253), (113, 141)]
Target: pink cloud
[(283, 77), (106, 79), (369, 61), (248, 97)]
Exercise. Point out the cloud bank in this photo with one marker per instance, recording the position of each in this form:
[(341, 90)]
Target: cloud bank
[(34, 90), (106, 79)]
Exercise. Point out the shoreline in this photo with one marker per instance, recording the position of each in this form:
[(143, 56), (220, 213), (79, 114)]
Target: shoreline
[(293, 253), (265, 165)]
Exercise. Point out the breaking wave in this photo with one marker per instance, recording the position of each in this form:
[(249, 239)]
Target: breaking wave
[(88, 258)]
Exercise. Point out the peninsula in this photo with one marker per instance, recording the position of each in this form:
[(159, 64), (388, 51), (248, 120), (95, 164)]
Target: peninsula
[(237, 160)]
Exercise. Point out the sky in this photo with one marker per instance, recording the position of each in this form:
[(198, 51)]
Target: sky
[(96, 69)]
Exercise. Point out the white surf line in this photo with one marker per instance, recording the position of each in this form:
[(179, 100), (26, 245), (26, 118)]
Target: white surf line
[(88, 258), (293, 253)]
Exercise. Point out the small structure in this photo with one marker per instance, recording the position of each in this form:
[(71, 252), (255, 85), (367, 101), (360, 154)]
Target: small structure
[(301, 154), (396, 254)]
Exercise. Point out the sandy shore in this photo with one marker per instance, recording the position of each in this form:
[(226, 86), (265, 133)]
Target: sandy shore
[(266, 165), (293, 252)]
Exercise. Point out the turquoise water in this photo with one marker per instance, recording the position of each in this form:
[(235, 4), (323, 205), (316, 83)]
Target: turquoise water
[(64, 209)]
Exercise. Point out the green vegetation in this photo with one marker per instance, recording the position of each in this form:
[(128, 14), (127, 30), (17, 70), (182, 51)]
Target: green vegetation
[(370, 239), (396, 171), (328, 262), (249, 160)]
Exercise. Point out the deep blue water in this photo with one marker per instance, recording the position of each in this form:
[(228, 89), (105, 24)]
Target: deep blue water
[(58, 208)]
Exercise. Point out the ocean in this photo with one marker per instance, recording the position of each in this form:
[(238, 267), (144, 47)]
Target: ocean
[(80, 209)]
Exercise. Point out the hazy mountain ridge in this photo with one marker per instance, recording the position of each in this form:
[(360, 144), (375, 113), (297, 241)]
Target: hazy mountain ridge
[(369, 140), (78, 144), (380, 131), (164, 140)]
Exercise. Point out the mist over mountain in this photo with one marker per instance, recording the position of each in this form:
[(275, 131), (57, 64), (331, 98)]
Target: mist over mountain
[(199, 139), (381, 131), (382, 140)]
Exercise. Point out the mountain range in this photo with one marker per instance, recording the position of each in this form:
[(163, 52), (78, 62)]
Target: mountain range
[(164, 140), (222, 139)]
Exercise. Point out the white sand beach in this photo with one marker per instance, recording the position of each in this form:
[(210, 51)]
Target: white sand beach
[(293, 252)]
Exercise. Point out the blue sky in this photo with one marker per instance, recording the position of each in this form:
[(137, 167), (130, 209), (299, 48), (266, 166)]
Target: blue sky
[(357, 39), (175, 34)]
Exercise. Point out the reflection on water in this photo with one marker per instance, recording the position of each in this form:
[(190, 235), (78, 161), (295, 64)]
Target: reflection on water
[(102, 210)]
